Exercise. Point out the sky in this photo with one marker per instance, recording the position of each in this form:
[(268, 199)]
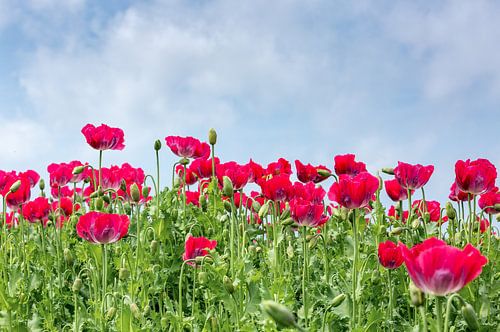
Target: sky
[(389, 81)]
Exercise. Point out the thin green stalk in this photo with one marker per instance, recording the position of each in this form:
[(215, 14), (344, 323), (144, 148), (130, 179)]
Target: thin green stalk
[(448, 311), (354, 270), (424, 317), (391, 301), (104, 284), (305, 275), (439, 313), (471, 217)]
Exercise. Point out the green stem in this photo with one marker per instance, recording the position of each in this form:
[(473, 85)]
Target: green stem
[(104, 284), (439, 313), (354, 271), (304, 275), (391, 304), (471, 217), (424, 317), (100, 172), (75, 299), (448, 311)]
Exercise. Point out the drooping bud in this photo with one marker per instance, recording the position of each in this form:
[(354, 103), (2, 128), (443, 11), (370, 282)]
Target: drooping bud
[(288, 222), (228, 206), (153, 247), (41, 184), (388, 170), (337, 300), (263, 210), (68, 257), (123, 273), (283, 317), (78, 170), (228, 284), (15, 186), (157, 145), (212, 136), (145, 191), (313, 242), (110, 313), (99, 204), (416, 223), (416, 295), (203, 277), (324, 173), (256, 206), (134, 309), (450, 211), (470, 317), (227, 186), (134, 192), (77, 285), (396, 231)]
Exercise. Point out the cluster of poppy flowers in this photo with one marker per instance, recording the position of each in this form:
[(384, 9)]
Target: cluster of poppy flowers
[(354, 188)]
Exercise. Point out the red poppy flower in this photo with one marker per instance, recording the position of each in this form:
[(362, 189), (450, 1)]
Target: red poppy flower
[(21, 195), (60, 174), (102, 228), (282, 166), (309, 192), (475, 177), (395, 191), (458, 195), (354, 192), (197, 246), (439, 269), (393, 212), (432, 207), (37, 211), (488, 200), (345, 164), (202, 167), (65, 206), (190, 175), (309, 173), (256, 171), (32, 176), (104, 137), (413, 176), (277, 188), (131, 174), (11, 219), (307, 213), (192, 197), (239, 174), (389, 255), (187, 147)]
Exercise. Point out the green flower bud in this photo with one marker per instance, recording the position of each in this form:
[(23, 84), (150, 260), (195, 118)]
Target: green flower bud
[(288, 222), (15, 186), (416, 295), (110, 314), (153, 247), (77, 285), (227, 186), (450, 211), (337, 300), (157, 145), (123, 273), (396, 231), (212, 136), (283, 317), (263, 210), (324, 173), (309, 237), (41, 184), (78, 170), (99, 203), (256, 206), (134, 192), (388, 170), (68, 257), (134, 309), (184, 161), (203, 277), (145, 191), (228, 284), (470, 317), (416, 223), (313, 242), (106, 199), (228, 206)]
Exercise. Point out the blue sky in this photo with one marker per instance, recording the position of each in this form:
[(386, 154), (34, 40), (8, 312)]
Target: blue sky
[(387, 80)]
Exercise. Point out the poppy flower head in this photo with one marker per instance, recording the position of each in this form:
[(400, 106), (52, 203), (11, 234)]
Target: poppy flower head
[(187, 147), (346, 164), (488, 200), (309, 173), (395, 191), (197, 246), (413, 176), (104, 137), (389, 255), (102, 228), (354, 192), (475, 177)]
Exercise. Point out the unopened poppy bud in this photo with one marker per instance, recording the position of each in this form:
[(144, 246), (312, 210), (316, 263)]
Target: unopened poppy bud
[(289, 251), (258, 249), (396, 231), (77, 285), (324, 173), (450, 211), (228, 284), (388, 170), (498, 217), (41, 184), (110, 313), (184, 161), (157, 145), (15, 186), (127, 208), (123, 185), (106, 199), (99, 203), (228, 206), (145, 192), (146, 310), (470, 317), (227, 186), (416, 223), (427, 217), (68, 257), (203, 277), (134, 309), (309, 237), (288, 222), (212, 136), (263, 210), (78, 170), (286, 213), (416, 295), (134, 192), (283, 317), (497, 207), (153, 247), (313, 242), (337, 300), (123, 273), (256, 206)]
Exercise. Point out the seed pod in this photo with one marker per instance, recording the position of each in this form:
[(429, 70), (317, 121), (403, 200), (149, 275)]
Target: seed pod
[(212, 136), (153, 247), (77, 285), (283, 317), (470, 317), (123, 273), (228, 284), (388, 170), (157, 145), (41, 184), (110, 313), (396, 231), (337, 300), (416, 295), (450, 211)]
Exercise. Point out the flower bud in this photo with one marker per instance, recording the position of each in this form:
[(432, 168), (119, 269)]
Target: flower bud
[(78, 170), (286, 213), (153, 247), (313, 242), (416, 223), (134, 192), (263, 210), (123, 273), (288, 222), (184, 161), (396, 231), (228, 206), (157, 145), (15, 186), (212, 136), (146, 310), (289, 251), (256, 206), (388, 170), (99, 203), (41, 184), (324, 173), (227, 186), (145, 191), (309, 237), (134, 309), (110, 313), (228, 284), (77, 285), (203, 277), (337, 300), (416, 295), (68, 257), (283, 317), (450, 211), (470, 317)]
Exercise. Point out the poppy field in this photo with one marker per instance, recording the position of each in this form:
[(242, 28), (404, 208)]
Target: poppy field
[(227, 246)]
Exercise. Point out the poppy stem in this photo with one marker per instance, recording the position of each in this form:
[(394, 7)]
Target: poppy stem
[(304, 274), (424, 317), (390, 297), (354, 270), (439, 313), (104, 284), (469, 233), (448, 310)]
